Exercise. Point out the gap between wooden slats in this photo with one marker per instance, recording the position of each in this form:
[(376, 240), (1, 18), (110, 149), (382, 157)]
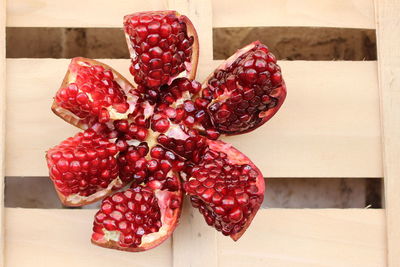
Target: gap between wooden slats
[(328, 126), (276, 238), (226, 13)]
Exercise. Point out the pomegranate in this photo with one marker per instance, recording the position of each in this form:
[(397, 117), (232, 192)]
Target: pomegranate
[(158, 137), (84, 169), (137, 219), (92, 91), (245, 91), (162, 45), (226, 187)]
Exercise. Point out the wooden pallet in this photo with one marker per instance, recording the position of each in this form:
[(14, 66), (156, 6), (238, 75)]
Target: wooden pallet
[(330, 126)]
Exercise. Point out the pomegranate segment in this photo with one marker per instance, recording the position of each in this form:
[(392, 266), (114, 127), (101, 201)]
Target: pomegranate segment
[(226, 187), (91, 92), (83, 168), (245, 91), (162, 45), (137, 219)]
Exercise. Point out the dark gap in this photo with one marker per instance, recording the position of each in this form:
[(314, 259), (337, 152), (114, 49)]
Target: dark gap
[(38, 192), (374, 193), (300, 43), (290, 43)]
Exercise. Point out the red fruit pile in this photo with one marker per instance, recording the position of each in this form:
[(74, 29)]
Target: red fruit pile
[(158, 137)]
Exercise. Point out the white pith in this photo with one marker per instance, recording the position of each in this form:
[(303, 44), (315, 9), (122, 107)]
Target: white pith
[(185, 96), (76, 198)]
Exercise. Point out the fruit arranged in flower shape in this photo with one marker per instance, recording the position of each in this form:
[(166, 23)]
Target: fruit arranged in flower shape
[(158, 136)]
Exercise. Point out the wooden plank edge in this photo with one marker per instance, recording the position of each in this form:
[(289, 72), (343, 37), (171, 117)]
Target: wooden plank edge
[(388, 36), (2, 122), (226, 13), (193, 232)]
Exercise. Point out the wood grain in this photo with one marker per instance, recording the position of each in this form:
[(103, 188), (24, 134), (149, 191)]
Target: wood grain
[(226, 13), (325, 13), (277, 237), (2, 121), (328, 126), (49, 13), (60, 238), (388, 36), (309, 238)]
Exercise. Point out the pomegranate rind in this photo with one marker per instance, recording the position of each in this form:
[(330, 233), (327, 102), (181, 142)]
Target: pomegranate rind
[(169, 222), (69, 77), (191, 32), (278, 93)]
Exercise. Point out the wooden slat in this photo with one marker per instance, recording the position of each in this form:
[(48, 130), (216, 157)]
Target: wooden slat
[(2, 122), (200, 13), (309, 238), (226, 13), (388, 36), (193, 233), (75, 13), (62, 238), (194, 241), (328, 127), (323, 13), (276, 238)]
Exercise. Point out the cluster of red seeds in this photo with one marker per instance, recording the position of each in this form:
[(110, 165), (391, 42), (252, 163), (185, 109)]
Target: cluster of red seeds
[(177, 103), (162, 46), (138, 129), (92, 93), (247, 85), (224, 193), (83, 164), (158, 168), (133, 213)]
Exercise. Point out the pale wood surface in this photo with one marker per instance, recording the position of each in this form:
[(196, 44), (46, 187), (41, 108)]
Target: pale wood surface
[(328, 126), (388, 35), (49, 238), (321, 13), (200, 13), (309, 238), (326, 13), (276, 238), (2, 121), (194, 242), (91, 13)]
